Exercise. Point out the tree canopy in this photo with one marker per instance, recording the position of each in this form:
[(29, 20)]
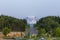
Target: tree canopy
[(49, 23), (14, 23)]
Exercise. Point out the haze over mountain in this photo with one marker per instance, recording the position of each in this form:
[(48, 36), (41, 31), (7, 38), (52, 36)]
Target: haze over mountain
[(31, 19), (24, 8)]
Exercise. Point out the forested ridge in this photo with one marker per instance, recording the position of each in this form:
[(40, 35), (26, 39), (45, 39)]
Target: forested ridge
[(14, 24), (49, 24)]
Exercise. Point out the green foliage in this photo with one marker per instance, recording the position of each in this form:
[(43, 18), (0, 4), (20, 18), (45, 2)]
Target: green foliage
[(28, 26), (14, 23), (49, 23), (57, 32), (41, 32), (6, 31)]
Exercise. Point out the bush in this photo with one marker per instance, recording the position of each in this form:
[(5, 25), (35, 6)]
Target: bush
[(41, 32), (57, 32), (6, 31)]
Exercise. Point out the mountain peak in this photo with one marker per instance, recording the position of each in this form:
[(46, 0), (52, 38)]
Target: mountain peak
[(31, 19)]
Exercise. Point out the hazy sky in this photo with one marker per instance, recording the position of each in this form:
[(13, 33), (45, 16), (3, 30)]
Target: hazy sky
[(24, 8)]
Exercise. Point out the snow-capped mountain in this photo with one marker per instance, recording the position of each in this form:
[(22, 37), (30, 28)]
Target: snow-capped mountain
[(31, 19)]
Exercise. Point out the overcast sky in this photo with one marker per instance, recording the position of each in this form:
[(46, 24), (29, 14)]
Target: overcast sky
[(24, 8)]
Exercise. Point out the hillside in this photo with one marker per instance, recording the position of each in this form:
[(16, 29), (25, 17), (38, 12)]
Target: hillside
[(14, 23)]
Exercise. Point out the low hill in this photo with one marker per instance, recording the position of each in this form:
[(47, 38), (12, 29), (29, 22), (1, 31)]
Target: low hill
[(14, 23)]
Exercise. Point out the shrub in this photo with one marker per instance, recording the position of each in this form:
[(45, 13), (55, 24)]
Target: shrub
[(57, 32), (6, 31)]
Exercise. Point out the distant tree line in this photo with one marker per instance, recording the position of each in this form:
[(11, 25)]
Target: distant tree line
[(49, 24), (14, 24), (46, 25)]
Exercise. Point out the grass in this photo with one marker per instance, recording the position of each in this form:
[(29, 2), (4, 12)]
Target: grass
[(37, 38), (18, 38)]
